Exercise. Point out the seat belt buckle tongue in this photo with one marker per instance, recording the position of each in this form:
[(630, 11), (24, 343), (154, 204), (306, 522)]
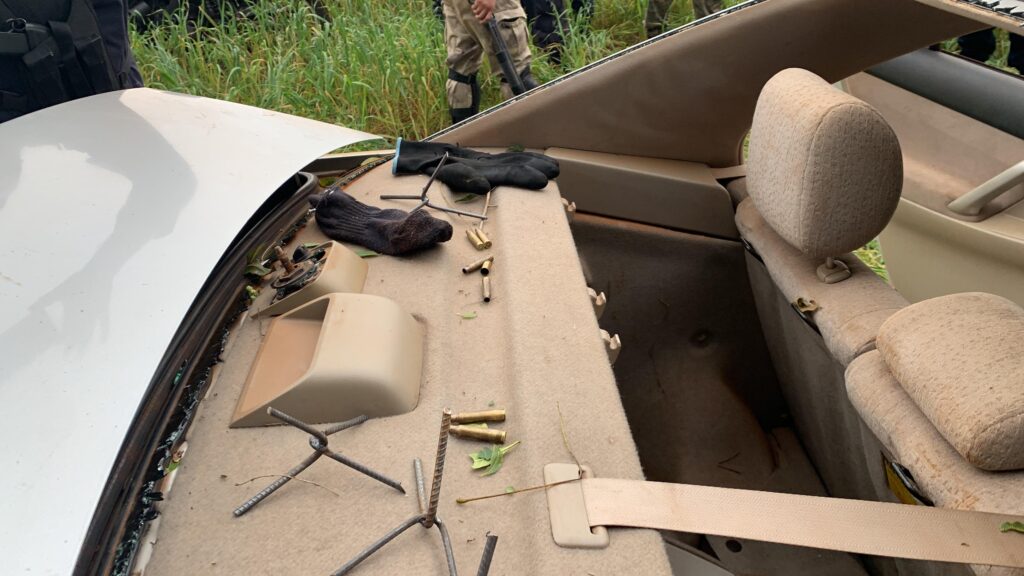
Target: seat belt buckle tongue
[(567, 508)]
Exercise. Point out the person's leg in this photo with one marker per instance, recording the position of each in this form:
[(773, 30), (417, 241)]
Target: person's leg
[(978, 45), (1015, 59), (546, 23), (657, 13), (702, 8), (464, 59)]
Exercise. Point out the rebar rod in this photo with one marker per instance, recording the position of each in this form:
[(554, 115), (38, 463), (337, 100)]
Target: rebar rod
[(435, 484), (360, 468), (446, 543), (369, 550), (421, 488), (259, 496), (485, 559)]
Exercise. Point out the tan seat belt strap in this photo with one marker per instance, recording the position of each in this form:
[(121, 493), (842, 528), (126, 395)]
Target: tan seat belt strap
[(858, 526)]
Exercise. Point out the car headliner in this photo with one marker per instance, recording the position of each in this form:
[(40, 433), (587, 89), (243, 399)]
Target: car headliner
[(114, 210)]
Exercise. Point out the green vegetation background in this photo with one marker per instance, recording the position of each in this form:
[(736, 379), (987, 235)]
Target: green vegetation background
[(377, 65)]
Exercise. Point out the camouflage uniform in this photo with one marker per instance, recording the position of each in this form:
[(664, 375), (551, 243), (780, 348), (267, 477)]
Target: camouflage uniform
[(657, 13), (467, 39)]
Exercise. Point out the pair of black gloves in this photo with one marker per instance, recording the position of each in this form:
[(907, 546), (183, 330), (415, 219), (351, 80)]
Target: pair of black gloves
[(471, 171)]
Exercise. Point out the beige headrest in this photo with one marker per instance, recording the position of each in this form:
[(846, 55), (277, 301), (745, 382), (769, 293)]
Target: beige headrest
[(825, 170), (961, 358)]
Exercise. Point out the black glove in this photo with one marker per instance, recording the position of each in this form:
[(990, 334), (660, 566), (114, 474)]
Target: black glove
[(394, 232), (472, 171)]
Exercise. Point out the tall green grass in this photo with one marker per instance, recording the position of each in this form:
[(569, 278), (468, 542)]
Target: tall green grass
[(377, 65)]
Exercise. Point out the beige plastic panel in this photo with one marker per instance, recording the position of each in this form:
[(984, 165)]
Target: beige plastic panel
[(929, 254), (670, 193), (570, 527), (929, 250), (343, 271), (335, 358)]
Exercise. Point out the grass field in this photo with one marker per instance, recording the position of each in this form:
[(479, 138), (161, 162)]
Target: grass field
[(377, 65)]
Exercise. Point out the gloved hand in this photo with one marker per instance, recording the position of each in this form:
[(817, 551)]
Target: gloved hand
[(472, 171), (394, 232)]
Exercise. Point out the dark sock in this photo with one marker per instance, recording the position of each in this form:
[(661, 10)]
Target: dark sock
[(394, 232)]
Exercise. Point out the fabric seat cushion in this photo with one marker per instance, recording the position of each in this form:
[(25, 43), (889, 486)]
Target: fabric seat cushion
[(825, 169), (851, 312), (911, 439), (961, 358)]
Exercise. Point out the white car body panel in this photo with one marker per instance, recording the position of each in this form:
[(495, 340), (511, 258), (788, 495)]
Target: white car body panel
[(114, 210)]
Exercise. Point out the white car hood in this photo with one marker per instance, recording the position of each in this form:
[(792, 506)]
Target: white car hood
[(114, 209)]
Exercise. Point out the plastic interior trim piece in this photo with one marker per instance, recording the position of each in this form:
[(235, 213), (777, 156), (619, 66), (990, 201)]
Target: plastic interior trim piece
[(973, 202), (570, 526), (335, 358), (342, 271)]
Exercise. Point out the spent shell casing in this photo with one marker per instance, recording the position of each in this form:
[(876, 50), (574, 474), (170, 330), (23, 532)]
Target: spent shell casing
[(477, 433), (487, 288), (483, 237), (482, 416), (477, 265), (474, 239), (485, 268)]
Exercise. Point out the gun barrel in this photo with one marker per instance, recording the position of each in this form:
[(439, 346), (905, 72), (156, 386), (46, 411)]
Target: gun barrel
[(508, 70)]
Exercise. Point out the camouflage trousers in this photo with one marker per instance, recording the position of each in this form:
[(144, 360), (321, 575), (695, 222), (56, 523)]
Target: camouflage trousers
[(657, 13), (467, 41)]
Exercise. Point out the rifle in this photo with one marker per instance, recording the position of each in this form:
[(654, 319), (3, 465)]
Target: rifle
[(504, 60)]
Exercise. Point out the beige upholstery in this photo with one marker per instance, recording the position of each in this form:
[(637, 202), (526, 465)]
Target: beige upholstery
[(825, 170), (851, 312), (961, 359), (911, 440)]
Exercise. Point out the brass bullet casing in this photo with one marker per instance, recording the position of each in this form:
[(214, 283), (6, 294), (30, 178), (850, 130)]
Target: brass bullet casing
[(477, 265), (485, 268), (487, 288), (483, 416), (483, 238), (474, 239), (477, 433)]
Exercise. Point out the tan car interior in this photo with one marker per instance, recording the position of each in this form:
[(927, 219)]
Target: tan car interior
[(757, 352)]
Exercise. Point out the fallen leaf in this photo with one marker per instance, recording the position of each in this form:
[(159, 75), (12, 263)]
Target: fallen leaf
[(364, 253), (510, 489), (467, 197), (492, 458), (467, 315), (1012, 527)]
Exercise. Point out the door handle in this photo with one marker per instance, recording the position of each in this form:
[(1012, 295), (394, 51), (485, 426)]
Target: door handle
[(970, 204)]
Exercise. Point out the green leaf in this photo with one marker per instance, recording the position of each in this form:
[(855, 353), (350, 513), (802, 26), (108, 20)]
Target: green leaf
[(364, 253), (497, 459), (467, 197), (516, 148), (510, 489), (1012, 527), (467, 315), (492, 458), (172, 466), (256, 270)]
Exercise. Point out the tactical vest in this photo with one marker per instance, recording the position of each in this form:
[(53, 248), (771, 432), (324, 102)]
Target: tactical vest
[(52, 51)]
